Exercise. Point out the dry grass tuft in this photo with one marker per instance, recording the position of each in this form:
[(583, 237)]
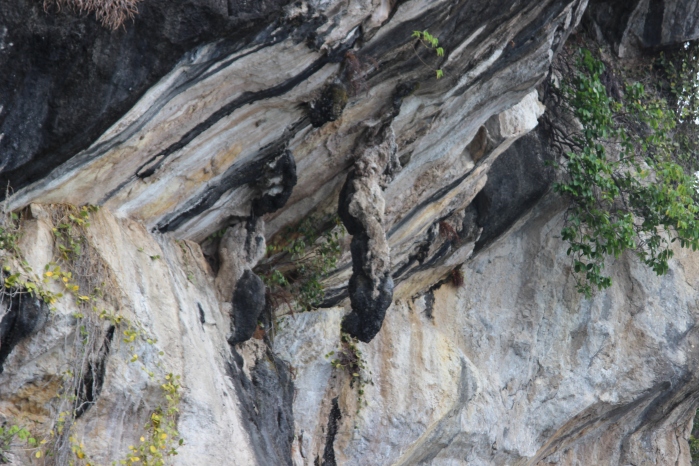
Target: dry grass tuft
[(448, 232), (111, 13), (457, 277)]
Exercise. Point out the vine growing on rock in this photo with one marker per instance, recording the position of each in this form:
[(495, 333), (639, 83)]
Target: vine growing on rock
[(78, 271), (349, 358), (621, 173), (429, 42), (16, 436)]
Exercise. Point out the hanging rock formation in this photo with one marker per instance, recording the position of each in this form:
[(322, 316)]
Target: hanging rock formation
[(361, 208), (207, 129)]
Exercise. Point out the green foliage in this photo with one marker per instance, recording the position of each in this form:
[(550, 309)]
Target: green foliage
[(628, 191), (679, 78), (18, 277), (306, 257), (10, 233), (694, 449), (430, 42), (69, 232), (349, 358), (694, 441), (17, 436), (219, 233), (161, 438)]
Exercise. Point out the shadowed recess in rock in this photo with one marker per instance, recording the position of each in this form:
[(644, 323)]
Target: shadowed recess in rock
[(516, 181), (90, 386), (24, 315)]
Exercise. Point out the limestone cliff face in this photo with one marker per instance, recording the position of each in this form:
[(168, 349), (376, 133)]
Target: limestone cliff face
[(205, 116)]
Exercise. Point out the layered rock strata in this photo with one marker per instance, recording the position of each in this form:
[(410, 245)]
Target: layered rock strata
[(206, 128)]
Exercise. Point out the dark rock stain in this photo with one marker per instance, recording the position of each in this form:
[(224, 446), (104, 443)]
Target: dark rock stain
[(333, 419), (248, 304), (266, 400), (90, 386), (202, 318), (25, 315), (273, 194), (329, 106)]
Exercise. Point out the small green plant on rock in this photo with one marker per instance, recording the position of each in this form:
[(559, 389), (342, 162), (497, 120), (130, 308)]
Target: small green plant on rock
[(15, 436), (10, 233), (161, 438), (306, 255), (430, 42), (694, 441), (349, 358)]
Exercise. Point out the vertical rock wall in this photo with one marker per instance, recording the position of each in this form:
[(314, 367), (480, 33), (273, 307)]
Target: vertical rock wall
[(514, 367)]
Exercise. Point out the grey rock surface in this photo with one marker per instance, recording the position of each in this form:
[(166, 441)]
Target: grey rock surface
[(638, 26), (514, 367), (66, 79)]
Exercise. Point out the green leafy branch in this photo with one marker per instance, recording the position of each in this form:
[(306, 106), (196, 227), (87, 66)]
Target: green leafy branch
[(634, 198), (432, 43), (8, 441)]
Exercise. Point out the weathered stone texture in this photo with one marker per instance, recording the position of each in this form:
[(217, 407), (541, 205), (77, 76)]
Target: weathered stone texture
[(640, 26), (248, 116), (516, 367), (65, 79)]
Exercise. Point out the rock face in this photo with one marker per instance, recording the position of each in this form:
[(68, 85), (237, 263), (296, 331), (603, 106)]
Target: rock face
[(206, 129), (22, 316), (634, 27), (523, 372), (68, 79)]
